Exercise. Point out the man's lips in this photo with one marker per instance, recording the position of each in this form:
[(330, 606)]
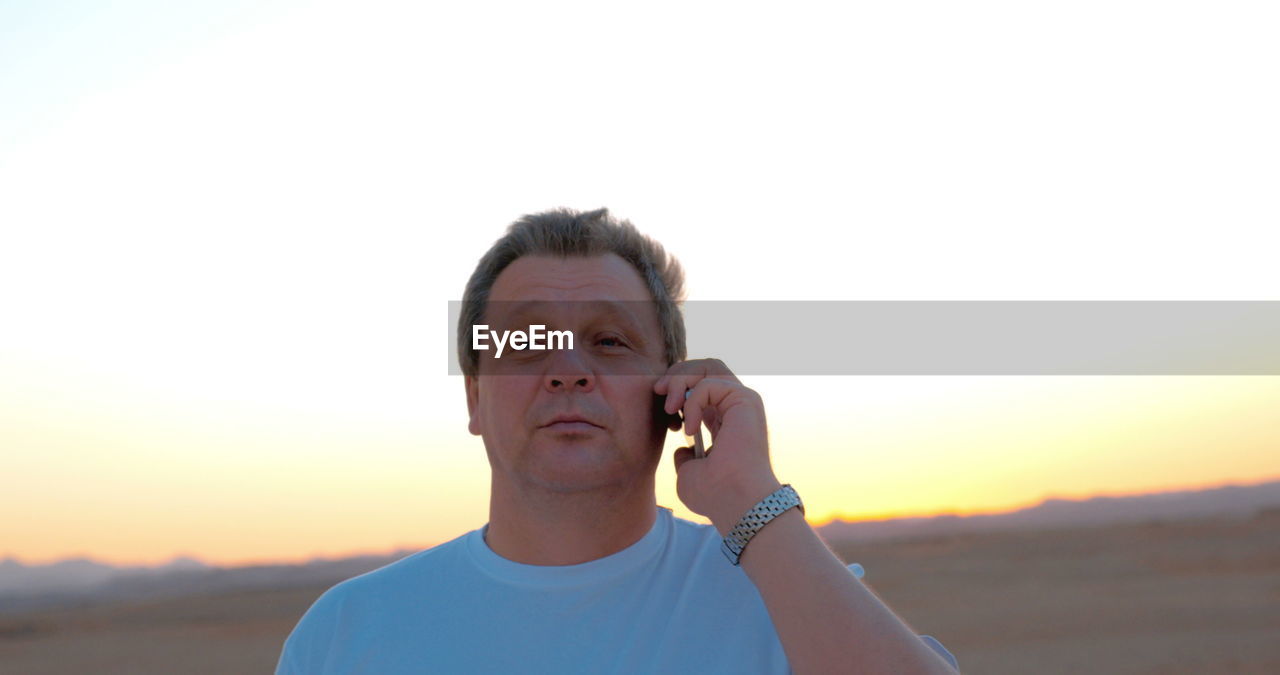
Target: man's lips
[(570, 422), (571, 426)]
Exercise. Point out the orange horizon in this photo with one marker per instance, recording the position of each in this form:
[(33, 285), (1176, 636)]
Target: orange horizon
[(882, 517), (893, 515)]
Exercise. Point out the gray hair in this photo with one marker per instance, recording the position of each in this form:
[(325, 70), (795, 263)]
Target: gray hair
[(564, 232)]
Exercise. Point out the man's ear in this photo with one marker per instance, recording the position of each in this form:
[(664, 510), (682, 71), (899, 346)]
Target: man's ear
[(473, 403)]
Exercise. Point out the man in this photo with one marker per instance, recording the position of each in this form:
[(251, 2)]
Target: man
[(578, 569)]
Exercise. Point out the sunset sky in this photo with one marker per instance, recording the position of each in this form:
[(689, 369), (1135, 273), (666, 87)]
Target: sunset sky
[(229, 234)]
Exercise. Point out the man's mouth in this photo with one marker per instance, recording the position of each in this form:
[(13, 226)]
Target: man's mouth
[(570, 422), (571, 426)]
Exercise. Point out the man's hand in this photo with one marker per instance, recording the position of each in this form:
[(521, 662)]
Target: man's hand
[(735, 474)]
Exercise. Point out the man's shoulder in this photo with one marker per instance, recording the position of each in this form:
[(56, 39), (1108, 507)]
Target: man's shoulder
[(365, 606), (391, 579), (699, 543), (692, 531)]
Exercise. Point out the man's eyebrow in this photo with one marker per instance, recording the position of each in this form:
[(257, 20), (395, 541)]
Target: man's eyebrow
[(608, 309), (617, 310), (515, 310)]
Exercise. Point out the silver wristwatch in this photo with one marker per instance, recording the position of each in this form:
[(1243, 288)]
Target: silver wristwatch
[(766, 510)]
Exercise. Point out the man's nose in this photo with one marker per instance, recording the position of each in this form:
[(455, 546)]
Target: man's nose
[(566, 371)]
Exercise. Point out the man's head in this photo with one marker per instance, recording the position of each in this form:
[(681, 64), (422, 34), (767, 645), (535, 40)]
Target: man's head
[(568, 233), (618, 293)]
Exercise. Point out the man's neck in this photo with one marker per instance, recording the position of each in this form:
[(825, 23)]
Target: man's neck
[(537, 528)]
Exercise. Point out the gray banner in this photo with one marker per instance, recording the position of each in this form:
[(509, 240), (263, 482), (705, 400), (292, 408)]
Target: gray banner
[(962, 337)]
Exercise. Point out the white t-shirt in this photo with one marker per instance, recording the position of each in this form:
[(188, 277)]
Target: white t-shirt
[(670, 603)]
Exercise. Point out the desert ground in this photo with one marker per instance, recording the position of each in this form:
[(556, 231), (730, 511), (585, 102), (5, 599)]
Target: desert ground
[(1173, 597)]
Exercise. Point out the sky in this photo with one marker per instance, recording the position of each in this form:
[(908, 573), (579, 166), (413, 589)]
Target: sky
[(229, 232)]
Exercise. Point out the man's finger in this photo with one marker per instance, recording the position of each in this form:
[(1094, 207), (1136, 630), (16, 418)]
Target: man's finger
[(685, 375), (707, 393)]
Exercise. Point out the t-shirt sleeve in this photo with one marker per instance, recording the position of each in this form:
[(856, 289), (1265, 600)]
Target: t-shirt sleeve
[(942, 651), (928, 639), (288, 664), (307, 645)]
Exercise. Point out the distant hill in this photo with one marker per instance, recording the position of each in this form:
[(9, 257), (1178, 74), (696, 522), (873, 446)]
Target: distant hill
[(78, 573), (81, 581), (1231, 501), (71, 583)]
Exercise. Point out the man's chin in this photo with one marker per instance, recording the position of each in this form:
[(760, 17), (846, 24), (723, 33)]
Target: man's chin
[(582, 468), (575, 467), (592, 443)]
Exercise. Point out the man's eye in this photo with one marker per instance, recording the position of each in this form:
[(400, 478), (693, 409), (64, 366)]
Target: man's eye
[(617, 342)]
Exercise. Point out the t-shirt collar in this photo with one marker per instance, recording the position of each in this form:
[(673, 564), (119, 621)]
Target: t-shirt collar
[(588, 573)]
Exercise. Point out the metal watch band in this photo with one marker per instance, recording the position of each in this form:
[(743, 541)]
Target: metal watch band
[(764, 511)]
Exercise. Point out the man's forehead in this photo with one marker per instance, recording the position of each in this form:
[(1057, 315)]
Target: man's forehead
[(628, 311), (575, 279)]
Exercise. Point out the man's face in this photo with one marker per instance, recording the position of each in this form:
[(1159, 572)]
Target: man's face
[(606, 379)]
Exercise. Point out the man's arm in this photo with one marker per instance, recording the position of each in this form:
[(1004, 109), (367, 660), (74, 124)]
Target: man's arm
[(826, 619)]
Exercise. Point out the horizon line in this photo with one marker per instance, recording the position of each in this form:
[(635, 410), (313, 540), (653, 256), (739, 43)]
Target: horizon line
[(838, 518)]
